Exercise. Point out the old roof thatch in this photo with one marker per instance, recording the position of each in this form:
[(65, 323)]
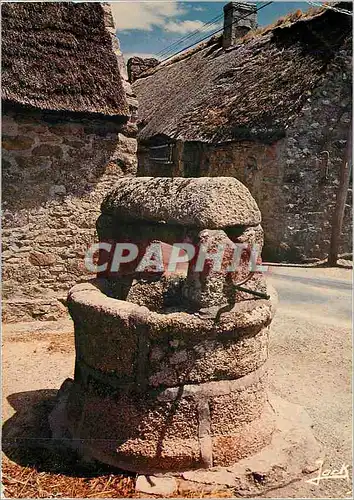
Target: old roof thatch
[(59, 57), (254, 89)]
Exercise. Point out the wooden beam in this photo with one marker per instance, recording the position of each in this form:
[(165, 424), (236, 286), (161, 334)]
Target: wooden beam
[(338, 216)]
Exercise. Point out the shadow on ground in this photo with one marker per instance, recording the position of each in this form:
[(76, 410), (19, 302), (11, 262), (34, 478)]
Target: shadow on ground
[(26, 438)]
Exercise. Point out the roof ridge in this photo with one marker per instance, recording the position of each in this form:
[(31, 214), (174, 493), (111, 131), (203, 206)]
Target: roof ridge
[(282, 22)]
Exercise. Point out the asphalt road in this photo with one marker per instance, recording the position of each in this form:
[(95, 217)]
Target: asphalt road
[(314, 293)]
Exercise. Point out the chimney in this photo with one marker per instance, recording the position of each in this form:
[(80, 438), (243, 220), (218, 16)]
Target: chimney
[(239, 18), (137, 65)]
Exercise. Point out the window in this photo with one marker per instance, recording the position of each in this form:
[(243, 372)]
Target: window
[(161, 153)]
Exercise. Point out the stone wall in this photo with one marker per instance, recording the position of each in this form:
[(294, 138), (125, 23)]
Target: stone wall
[(258, 167), (312, 155), (55, 173)]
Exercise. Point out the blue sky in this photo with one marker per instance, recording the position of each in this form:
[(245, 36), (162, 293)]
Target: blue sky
[(145, 28)]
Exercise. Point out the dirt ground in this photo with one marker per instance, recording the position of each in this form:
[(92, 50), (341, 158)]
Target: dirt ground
[(310, 364)]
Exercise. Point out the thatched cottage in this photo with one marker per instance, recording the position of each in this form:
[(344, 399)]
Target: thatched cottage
[(271, 108), (67, 134)]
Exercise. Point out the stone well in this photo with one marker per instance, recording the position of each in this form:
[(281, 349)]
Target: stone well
[(171, 372)]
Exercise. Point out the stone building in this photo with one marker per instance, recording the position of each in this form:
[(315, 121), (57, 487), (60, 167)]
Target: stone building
[(272, 108), (68, 133)]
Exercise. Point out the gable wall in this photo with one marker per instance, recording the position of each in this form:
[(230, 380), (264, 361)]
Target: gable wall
[(55, 173)]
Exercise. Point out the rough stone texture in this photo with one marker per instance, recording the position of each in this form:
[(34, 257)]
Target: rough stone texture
[(238, 20), (142, 347), (311, 175), (152, 485), (210, 286), (150, 387), (198, 202), (292, 454), (191, 361), (140, 432), (137, 65), (157, 293), (293, 180), (55, 173), (214, 283)]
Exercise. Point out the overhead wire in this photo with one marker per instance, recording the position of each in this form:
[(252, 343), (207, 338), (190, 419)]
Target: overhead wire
[(217, 31), (330, 7), (175, 44)]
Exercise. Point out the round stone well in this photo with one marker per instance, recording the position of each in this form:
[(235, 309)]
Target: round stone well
[(171, 368)]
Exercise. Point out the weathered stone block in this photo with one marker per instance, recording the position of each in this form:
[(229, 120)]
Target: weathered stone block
[(190, 362), (229, 412), (48, 150), (127, 144), (143, 432), (137, 428), (9, 126), (212, 283), (41, 259), (17, 143), (163, 486), (162, 350), (250, 439), (106, 343), (200, 202)]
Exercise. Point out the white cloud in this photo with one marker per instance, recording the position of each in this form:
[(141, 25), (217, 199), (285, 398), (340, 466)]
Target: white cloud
[(183, 26), (143, 15), (147, 15)]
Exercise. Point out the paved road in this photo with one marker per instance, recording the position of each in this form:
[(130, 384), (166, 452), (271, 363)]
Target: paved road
[(311, 292), (320, 282)]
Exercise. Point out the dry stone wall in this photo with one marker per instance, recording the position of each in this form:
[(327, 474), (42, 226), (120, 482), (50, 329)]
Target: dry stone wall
[(295, 180), (312, 155), (55, 173)]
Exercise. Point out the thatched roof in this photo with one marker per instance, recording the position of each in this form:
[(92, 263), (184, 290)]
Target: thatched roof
[(251, 90), (58, 56)]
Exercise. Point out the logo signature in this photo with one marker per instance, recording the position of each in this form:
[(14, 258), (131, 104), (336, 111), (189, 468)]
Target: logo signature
[(342, 473), (159, 257)]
